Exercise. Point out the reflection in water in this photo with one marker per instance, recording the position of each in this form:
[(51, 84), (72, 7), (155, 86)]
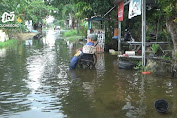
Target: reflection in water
[(12, 87), (35, 81), (29, 42), (100, 65), (2, 52), (136, 110)]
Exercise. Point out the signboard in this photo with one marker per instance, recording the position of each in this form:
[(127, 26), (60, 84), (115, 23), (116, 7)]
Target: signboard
[(121, 11), (134, 8)]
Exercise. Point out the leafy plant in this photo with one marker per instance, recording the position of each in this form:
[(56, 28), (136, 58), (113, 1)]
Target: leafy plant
[(165, 57), (140, 67), (155, 48)]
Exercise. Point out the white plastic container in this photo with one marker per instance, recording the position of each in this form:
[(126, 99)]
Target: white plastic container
[(130, 53)]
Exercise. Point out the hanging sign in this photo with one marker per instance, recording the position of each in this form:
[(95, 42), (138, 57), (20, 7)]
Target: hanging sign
[(134, 8), (121, 11)]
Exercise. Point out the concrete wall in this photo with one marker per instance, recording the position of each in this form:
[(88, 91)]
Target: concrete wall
[(159, 66), (163, 67)]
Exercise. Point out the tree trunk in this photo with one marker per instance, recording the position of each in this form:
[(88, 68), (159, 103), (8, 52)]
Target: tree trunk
[(77, 27), (172, 29)]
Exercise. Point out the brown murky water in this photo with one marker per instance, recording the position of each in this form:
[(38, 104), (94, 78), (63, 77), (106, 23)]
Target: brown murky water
[(35, 82)]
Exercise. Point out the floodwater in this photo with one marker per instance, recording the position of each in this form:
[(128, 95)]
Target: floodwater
[(35, 82)]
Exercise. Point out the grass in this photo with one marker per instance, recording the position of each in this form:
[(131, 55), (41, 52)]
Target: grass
[(72, 36), (8, 43), (69, 33)]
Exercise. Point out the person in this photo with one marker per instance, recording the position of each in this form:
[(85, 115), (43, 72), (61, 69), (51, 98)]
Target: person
[(92, 39), (126, 35)]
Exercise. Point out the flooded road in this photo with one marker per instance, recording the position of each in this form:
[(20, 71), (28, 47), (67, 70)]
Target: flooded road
[(35, 82)]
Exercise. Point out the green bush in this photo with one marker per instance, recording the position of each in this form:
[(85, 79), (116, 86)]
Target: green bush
[(164, 36), (8, 43), (69, 33)]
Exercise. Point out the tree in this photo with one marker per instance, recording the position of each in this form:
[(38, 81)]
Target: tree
[(36, 10), (169, 8)]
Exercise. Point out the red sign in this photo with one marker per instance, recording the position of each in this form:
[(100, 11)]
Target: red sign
[(121, 11)]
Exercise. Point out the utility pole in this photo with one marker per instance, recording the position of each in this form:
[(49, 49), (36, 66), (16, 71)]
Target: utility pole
[(143, 32), (119, 35)]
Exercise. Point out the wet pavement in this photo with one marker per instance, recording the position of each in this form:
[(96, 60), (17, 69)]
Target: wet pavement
[(35, 81)]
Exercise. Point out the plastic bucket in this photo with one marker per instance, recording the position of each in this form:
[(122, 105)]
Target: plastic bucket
[(161, 106)]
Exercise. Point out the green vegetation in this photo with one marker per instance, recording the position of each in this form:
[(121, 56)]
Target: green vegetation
[(8, 43), (72, 36), (69, 33), (155, 48), (35, 10), (165, 57), (140, 67)]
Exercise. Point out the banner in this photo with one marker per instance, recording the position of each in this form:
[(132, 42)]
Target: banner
[(134, 8), (121, 11)]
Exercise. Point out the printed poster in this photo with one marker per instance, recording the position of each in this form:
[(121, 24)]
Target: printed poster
[(134, 8)]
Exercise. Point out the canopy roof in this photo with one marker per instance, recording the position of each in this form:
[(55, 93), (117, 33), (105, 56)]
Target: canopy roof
[(96, 18)]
